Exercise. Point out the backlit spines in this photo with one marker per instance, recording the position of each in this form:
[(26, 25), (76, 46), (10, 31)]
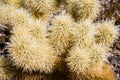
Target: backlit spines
[(93, 67), (46, 41), (12, 16), (84, 34), (61, 31), (40, 7), (37, 28), (5, 11), (83, 9), (98, 55), (107, 33), (30, 54), (19, 17), (36, 57), (78, 60)]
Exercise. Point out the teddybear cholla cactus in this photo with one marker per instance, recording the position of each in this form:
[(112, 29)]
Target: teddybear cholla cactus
[(39, 46)]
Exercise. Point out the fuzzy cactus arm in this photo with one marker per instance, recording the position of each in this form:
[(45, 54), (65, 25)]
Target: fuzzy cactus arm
[(83, 9), (5, 11), (40, 8), (93, 65), (98, 55), (37, 28), (61, 27), (19, 17), (109, 73), (22, 18), (84, 34), (10, 15), (45, 42), (105, 73), (107, 33), (29, 54), (25, 39), (78, 60)]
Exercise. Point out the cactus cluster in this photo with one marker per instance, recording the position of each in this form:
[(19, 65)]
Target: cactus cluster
[(66, 41)]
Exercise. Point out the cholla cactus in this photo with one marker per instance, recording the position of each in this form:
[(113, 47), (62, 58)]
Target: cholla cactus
[(5, 11), (37, 29), (29, 53), (68, 43), (19, 17), (106, 33), (97, 54), (40, 8), (84, 34), (83, 9), (61, 32), (78, 60), (102, 73)]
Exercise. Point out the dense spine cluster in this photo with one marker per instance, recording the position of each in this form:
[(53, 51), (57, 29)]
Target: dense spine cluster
[(61, 32), (83, 9), (45, 41)]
